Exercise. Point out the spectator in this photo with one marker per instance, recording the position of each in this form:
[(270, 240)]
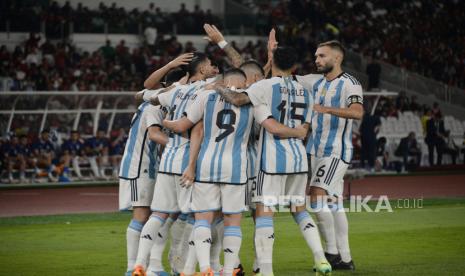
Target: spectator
[(408, 147), (414, 106), (73, 153), (434, 138), (382, 155), (436, 111), (425, 118), (373, 71), (44, 153), (97, 153), (450, 147), (108, 52), (368, 130), (117, 150), (402, 101), (463, 148)]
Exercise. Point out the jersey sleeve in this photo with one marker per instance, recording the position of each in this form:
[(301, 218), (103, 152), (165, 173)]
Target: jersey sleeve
[(261, 113), (354, 94), (153, 116), (307, 81), (256, 93), (166, 98), (195, 111)]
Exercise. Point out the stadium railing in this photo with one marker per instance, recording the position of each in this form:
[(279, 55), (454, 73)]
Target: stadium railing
[(71, 109)]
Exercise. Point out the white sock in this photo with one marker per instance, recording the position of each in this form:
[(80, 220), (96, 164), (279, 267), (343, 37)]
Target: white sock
[(158, 247), (191, 258), (76, 168), (183, 248), (326, 226), (94, 166), (264, 240), (310, 232), (203, 241), (147, 238), (232, 244), (341, 226), (217, 238), (132, 241), (176, 236)]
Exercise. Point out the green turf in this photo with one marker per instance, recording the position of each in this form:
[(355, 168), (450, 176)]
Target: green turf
[(427, 241)]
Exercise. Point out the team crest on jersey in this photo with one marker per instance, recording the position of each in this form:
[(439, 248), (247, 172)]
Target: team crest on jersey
[(317, 180)]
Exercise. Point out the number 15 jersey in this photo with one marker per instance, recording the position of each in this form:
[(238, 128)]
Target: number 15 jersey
[(290, 104), (223, 153)]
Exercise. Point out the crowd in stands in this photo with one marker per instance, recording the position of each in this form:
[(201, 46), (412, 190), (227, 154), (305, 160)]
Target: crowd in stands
[(409, 34), (26, 157), (117, 19)]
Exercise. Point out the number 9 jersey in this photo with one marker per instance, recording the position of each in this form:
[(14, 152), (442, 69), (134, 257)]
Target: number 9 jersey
[(223, 152), (290, 104)]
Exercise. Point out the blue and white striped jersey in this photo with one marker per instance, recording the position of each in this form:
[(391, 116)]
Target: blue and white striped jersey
[(252, 150), (175, 156), (332, 135), (290, 104), (223, 152), (140, 153)]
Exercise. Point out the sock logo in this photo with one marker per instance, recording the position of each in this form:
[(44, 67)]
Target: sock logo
[(271, 237), (227, 250), (160, 236), (147, 237), (308, 226), (191, 243), (209, 240)]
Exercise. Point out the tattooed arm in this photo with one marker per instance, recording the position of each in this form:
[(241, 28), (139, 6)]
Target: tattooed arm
[(237, 99), (215, 36)]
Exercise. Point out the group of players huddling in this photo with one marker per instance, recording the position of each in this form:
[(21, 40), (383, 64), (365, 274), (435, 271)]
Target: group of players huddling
[(208, 147)]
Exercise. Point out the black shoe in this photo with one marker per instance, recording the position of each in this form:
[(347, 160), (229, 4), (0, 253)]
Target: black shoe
[(256, 271), (333, 259), (239, 271), (344, 266)]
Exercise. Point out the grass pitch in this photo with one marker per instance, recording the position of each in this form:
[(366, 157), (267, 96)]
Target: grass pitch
[(426, 241)]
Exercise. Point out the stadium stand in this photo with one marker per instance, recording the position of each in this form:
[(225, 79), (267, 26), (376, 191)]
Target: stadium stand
[(51, 62)]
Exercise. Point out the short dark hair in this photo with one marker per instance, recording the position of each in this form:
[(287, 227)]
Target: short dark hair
[(193, 66), (334, 44), (254, 65), (74, 131), (284, 57), (174, 76), (234, 72), (45, 130)]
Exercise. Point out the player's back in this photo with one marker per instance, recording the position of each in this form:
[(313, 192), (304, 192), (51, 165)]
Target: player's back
[(290, 104), (176, 153), (140, 153), (223, 153)]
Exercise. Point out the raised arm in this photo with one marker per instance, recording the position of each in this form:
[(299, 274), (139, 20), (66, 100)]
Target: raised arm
[(157, 135), (354, 111), (188, 175), (154, 79), (272, 44), (178, 126), (282, 131), (215, 36)]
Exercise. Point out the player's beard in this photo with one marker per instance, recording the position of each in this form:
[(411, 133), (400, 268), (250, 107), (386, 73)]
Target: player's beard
[(325, 69)]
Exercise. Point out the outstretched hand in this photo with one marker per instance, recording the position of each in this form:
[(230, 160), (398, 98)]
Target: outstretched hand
[(183, 59), (272, 43), (213, 34)]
